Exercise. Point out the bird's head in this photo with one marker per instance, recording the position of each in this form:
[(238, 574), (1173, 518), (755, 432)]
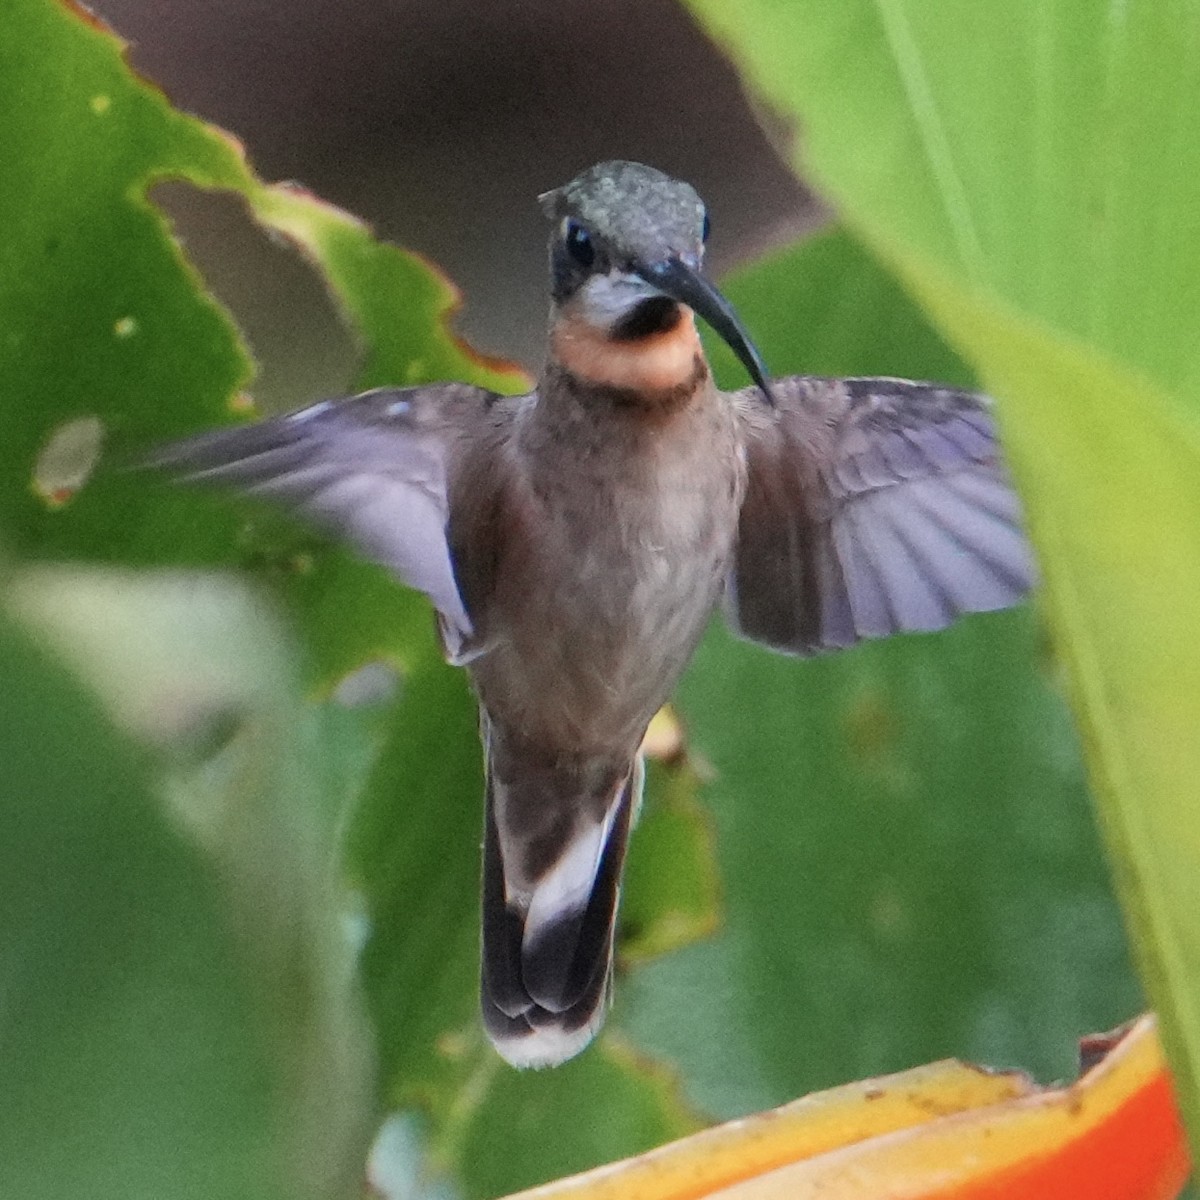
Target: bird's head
[(625, 256)]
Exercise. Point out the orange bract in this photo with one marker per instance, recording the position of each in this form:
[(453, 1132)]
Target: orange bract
[(948, 1130)]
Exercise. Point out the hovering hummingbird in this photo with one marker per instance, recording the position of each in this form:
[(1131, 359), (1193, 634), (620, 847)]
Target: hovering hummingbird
[(575, 541)]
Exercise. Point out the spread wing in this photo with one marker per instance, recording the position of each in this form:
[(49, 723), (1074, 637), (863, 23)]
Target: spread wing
[(371, 470), (873, 506)]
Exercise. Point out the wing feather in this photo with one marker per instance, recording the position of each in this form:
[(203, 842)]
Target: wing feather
[(873, 506), (371, 469)]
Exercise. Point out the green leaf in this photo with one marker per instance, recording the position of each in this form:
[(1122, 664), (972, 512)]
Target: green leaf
[(671, 889), (396, 303), (824, 307), (605, 1104), (180, 1016), (415, 849), (1035, 182)]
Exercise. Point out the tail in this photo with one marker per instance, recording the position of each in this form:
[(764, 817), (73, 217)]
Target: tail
[(553, 852)]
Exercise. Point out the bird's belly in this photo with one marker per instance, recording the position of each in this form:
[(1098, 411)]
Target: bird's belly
[(584, 662)]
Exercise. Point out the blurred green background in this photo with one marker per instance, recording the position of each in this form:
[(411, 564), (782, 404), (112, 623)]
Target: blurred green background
[(854, 865)]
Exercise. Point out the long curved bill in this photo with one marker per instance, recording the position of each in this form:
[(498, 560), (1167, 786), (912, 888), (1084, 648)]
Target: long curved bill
[(676, 279)]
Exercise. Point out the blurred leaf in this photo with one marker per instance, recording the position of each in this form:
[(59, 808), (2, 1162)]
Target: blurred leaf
[(672, 893), (1037, 185), (909, 871), (1046, 159), (947, 1131), (168, 1028), (101, 317), (603, 1099), (824, 307), (415, 850), (105, 320)]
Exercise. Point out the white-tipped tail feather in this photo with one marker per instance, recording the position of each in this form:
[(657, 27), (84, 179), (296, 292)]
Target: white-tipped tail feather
[(549, 911), (567, 887), (548, 1046)]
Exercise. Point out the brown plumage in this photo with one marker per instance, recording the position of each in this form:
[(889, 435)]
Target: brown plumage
[(575, 541)]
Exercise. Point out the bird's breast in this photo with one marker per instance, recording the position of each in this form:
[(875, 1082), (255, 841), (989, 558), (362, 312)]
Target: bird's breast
[(610, 578)]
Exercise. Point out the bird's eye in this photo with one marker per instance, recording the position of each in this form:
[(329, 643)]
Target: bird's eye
[(579, 244), (705, 229)]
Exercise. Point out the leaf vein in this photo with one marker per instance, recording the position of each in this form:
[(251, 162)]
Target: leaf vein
[(932, 131)]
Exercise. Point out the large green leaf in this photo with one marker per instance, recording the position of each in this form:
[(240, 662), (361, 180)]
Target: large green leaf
[(825, 308), (180, 1016), (1031, 171), (909, 866)]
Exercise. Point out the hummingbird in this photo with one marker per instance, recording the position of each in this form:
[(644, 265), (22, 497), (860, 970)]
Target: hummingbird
[(575, 542)]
